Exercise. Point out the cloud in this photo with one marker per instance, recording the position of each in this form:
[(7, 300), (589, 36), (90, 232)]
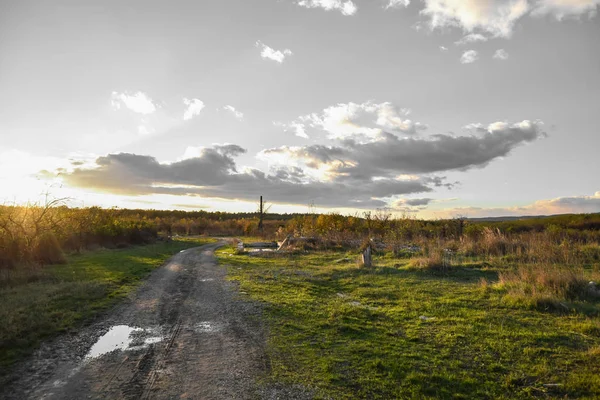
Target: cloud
[(559, 205), (471, 38), (469, 56), (238, 115), (397, 3), (496, 17), (566, 8), (144, 130), (501, 54), (366, 120), (345, 7), (588, 204), (390, 156), (272, 54), (444, 49), (404, 204), (297, 127), (138, 102), (194, 106), (214, 173)]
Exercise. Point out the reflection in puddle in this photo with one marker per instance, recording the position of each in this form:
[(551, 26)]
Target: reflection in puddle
[(260, 250), (206, 327), (207, 280), (123, 337)]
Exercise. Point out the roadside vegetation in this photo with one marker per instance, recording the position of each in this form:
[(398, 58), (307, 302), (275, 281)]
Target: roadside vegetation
[(450, 309)]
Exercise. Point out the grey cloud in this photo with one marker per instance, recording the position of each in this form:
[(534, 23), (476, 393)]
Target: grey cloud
[(573, 203), (390, 155), (215, 174), (414, 202)]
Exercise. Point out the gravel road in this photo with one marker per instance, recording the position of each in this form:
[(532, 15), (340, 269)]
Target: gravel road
[(185, 334)]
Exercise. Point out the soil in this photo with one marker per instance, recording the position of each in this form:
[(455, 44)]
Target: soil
[(186, 333)]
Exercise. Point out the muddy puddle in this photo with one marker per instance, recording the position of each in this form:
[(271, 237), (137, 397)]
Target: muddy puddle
[(207, 327), (129, 338), (124, 337)]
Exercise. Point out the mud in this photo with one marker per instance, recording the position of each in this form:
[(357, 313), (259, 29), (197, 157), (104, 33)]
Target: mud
[(185, 334)]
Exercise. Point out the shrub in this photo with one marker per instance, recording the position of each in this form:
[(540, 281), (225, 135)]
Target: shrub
[(47, 250)]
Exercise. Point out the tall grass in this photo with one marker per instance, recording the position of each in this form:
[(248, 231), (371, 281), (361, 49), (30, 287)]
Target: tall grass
[(545, 285)]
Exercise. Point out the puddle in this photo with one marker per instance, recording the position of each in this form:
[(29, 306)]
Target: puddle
[(123, 337), (207, 280), (260, 250), (206, 327), (174, 267)]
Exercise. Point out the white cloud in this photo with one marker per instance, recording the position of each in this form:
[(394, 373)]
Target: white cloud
[(389, 118), (501, 54), (345, 7), (236, 113), (469, 56), (365, 121), (471, 38), (564, 8), (143, 130), (496, 17), (194, 106), (272, 54), (443, 48), (297, 127), (138, 102), (397, 3)]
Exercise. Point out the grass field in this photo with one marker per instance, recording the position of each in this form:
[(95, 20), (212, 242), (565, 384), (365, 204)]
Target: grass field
[(40, 302), (398, 332)]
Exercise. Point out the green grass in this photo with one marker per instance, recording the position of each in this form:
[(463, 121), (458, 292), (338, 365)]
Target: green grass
[(44, 302), (350, 333)]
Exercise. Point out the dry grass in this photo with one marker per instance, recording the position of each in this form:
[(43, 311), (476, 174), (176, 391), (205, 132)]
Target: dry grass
[(436, 261), (546, 285), (594, 352)]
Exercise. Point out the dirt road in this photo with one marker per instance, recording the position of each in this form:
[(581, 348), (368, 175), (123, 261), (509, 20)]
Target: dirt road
[(185, 334)]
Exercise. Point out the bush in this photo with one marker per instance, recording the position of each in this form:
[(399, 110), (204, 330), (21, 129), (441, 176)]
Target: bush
[(47, 250)]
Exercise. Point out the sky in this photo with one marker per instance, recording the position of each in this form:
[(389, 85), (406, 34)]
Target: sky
[(432, 108)]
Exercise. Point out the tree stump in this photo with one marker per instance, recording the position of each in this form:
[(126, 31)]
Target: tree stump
[(366, 257)]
